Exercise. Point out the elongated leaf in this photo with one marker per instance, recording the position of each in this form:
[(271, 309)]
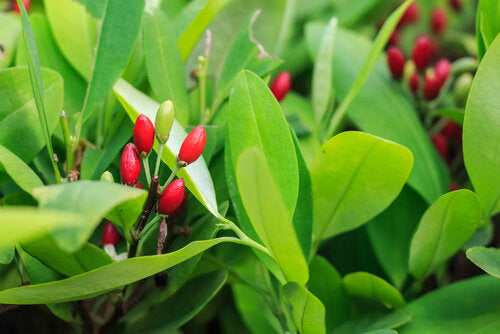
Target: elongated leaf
[(355, 176), (163, 63), (487, 25), (196, 175), (265, 207), (119, 31), (480, 135), (443, 229), (487, 259), (307, 310), (366, 285), (374, 321), (22, 175), (9, 34), (94, 7)]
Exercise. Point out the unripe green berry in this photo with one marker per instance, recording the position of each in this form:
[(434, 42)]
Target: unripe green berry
[(461, 88), (107, 177), (164, 120)]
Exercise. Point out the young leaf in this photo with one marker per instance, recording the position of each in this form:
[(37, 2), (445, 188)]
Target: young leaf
[(366, 285), (307, 310), (19, 172), (443, 229), (487, 259)]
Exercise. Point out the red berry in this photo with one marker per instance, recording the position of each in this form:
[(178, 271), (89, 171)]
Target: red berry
[(442, 70), (431, 87), (180, 208), (414, 83), (452, 131), (171, 198), (193, 145), (438, 20), (395, 37), (110, 234), (411, 15), (130, 165), (17, 10), (422, 52), (456, 5), (139, 185), (144, 134), (396, 62), (281, 85), (441, 145)]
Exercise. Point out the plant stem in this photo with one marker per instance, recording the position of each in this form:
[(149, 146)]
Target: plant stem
[(244, 238), (171, 177), (158, 158), (67, 140), (150, 226), (145, 162)]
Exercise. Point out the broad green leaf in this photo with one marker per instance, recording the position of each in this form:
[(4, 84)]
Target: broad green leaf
[(307, 310), (119, 30), (368, 322), (91, 199), (265, 207), (354, 177), (106, 278), (443, 229), (196, 175), (94, 7), (366, 285), (163, 63), (468, 306), (487, 25), (75, 32), (487, 259), (322, 89), (19, 172), (480, 131), (326, 284), (390, 234), (9, 34)]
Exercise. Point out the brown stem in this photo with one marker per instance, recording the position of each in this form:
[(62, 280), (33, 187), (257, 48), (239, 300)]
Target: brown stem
[(160, 278), (87, 316)]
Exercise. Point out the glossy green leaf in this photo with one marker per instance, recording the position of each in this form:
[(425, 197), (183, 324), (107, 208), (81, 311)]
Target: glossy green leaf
[(94, 7), (366, 285), (374, 321), (487, 25), (487, 259), (468, 306), (93, 200), (307, 310), (19, 172), (9, 34), (443, 229), (196, 175), (163, 63), (75, 32), (456, 115), (265, 207), (354, 177), (480, 131)]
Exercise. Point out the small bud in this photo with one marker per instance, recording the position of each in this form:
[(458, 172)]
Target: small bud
[(441, 145), (422, 52), (17, 10), (130, 165), (144, 135), (442, 70), (396, 62), (438, 20), (414, 83), (281, 85), (411, 15), (107, 177), (456, 5), (110, 235), (461, 88), (164, 120), (193, 145), (180, 208), (431, 87), (172, 197)]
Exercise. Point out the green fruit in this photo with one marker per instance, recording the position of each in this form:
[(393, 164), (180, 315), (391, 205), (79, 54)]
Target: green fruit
[(164, 120), (462, 88)]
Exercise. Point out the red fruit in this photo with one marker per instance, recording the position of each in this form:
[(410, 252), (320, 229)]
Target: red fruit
[(452, 131), (394, 38), (180, 208), (414, 83), (438, 20), (139, 185), (442, 70), (411, 15), (144, 134), (281, 85), (193, 145), (110, 234), (441, 145), (17, 10), (130, 165), (456, 5), (171, 198), (396, 62), (422, 52), (431, 87)]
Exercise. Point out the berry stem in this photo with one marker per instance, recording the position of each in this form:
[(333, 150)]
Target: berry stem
[(158, 158), (171, 177), (145, 162)]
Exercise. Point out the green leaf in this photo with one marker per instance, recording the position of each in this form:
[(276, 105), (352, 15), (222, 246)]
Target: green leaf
[(456, 115), (368, 174), (7, 253), (468, 306), (322, 89), (20, 129), (19, 172), (119, 31), (390, 234), (265, 207), (307, 310), (75, 32), (487, 259), (480, 131), (487, 25), (196, 175), (444, 228), (9, 34), (163, 63), (374, 321), (94, 7), (366, 285), (93, 200)]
